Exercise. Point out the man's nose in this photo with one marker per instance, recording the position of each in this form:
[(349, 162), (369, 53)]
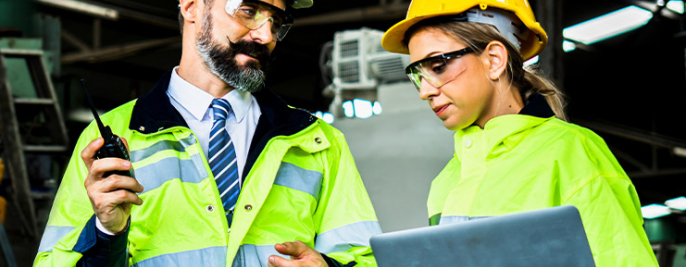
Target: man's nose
[(263, 34)]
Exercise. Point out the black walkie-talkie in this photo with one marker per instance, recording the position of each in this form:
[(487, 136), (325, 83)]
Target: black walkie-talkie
[(113, 146)]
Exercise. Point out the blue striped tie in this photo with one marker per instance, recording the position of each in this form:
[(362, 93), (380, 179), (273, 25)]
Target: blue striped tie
[(223, 158)]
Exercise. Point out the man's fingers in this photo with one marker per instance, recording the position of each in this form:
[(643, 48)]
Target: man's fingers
[(300, 255), (101, 166), (293, 249), (88, 153), (281, 248), (116, 182), (286, 248), (119, 197), (276, 261)]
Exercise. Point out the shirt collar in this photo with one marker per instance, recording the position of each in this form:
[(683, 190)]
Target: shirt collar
[(198, 102)]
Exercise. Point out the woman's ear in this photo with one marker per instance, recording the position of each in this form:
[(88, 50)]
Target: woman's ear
[(496, 59), (188, 9)]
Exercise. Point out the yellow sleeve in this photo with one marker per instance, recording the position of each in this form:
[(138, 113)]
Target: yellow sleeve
[(346, 217), (611, 214), (70, 212)]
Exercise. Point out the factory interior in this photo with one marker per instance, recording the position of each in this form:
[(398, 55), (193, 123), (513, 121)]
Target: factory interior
[(620, 63)]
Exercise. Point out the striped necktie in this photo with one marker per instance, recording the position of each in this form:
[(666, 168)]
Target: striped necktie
[(223, 158)]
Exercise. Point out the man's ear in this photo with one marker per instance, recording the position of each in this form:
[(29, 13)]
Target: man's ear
[(496, 59), (189, 10)]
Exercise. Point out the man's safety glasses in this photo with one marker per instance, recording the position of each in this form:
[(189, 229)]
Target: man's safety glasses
[(437, 70), (254, 13)]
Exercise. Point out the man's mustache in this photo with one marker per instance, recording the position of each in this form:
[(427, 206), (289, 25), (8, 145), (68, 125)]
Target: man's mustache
[(253, 49)]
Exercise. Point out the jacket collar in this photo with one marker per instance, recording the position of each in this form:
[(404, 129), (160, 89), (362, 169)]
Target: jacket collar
[(505, 129), (154, 112)]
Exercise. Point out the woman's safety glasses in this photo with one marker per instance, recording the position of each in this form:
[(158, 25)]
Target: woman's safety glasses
[(254, 13), (437, 70)]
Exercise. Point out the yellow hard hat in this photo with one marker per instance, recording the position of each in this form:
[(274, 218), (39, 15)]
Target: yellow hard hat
[(531, 44)]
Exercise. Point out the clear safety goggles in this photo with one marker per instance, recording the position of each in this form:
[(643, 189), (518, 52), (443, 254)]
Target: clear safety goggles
[(437, 70), (254, 13)]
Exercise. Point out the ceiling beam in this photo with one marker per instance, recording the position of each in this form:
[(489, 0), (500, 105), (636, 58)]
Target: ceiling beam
[(395, 10), (83, 7), (653, 174), (70, 38), (643, 136), (117, 52), (112, 12)]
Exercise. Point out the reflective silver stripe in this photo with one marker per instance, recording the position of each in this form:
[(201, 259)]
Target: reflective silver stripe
[(154, 175), (180, 146), (188, 141), (252, 255), (345, 237), (51, 235), (457, 219), (297, 178), (210, 257)]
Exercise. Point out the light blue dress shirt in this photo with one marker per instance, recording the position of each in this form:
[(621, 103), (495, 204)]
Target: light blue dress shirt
[(194, 105)]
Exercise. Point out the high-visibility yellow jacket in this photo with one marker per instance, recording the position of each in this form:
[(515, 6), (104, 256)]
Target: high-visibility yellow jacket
[(300, 183), (520, 163)]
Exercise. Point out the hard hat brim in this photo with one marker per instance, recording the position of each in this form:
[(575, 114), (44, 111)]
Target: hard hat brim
[(392, 40)]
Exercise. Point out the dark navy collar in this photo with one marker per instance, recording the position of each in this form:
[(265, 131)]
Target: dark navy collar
[(537, 106), (154, 112)]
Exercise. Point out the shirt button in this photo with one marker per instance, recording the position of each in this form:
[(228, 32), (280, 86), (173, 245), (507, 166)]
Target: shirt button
[(209, 208), (468, 143), (248, 207), (318, 140)]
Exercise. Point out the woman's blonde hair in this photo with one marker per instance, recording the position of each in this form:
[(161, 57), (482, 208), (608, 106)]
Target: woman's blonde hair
[(478, 36)]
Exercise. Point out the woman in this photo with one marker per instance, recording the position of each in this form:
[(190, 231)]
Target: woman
[(513, 150)]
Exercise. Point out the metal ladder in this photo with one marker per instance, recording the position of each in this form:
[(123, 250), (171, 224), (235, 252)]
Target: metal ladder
[(29, 125)]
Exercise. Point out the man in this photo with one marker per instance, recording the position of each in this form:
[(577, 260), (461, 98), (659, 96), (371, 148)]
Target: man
[(226, 174)]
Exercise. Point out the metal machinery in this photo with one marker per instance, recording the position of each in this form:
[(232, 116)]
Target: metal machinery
[(359, 65)]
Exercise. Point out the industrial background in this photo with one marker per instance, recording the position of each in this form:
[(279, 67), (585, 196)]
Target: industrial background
[(625, 79)]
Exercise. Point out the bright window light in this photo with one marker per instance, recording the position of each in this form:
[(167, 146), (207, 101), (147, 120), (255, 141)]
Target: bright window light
[(377, 108), (87, 8), (679, 151), (568, 46), (318, 114), (363, 108), (677, 203), (328, 117), (348, 109), (676, 6), (531, 61), (608, 25), (653, 211)]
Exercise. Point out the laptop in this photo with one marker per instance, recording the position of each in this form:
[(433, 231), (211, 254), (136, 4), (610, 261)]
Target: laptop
[(547, 237)]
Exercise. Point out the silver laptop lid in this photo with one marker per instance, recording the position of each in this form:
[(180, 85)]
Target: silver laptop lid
[(547, 237)]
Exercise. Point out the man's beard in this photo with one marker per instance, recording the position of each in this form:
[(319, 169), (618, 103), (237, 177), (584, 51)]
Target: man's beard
[(221, 60)]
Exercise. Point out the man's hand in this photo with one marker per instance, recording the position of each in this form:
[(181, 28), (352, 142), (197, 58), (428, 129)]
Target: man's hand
[(301, 255), (110, 196)]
